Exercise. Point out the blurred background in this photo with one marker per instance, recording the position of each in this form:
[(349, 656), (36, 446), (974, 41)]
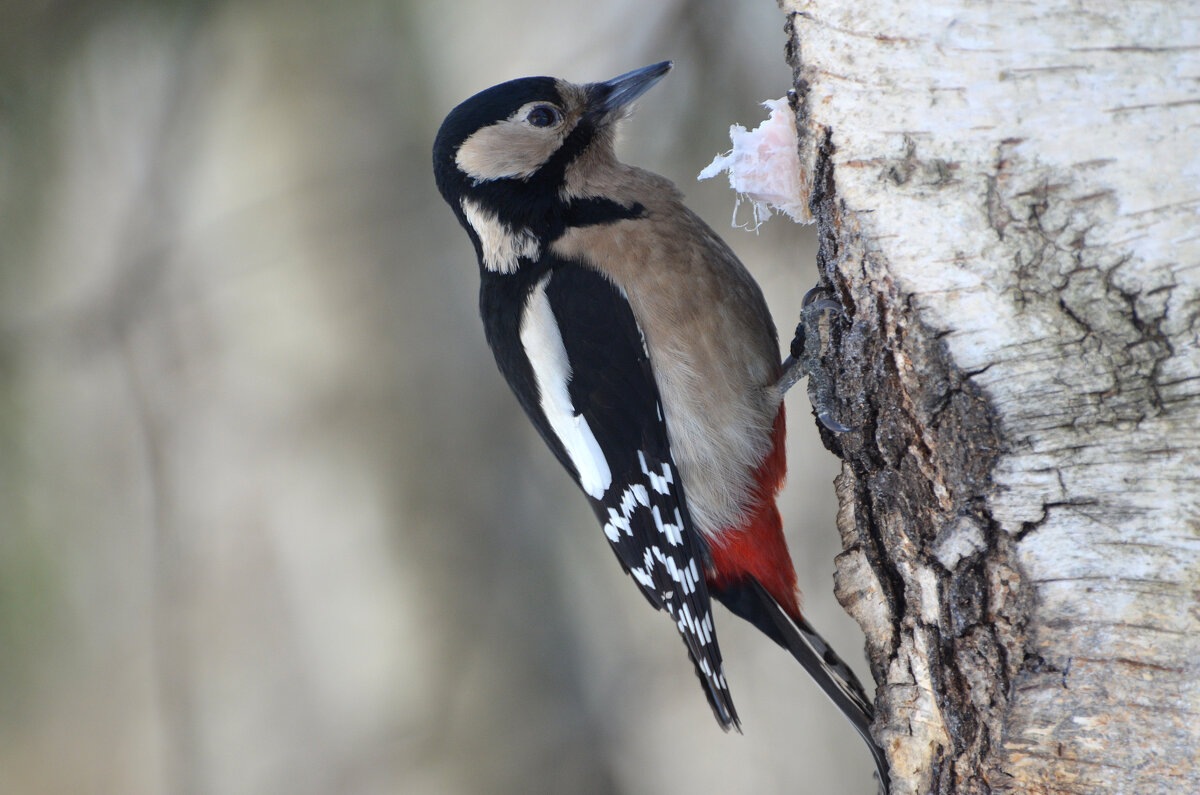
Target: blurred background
[(270, 521)]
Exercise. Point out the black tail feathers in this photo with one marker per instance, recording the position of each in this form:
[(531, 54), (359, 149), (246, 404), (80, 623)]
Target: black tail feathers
[(752, 602)]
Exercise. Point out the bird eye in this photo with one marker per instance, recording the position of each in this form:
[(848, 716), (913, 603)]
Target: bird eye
[(543, 116)]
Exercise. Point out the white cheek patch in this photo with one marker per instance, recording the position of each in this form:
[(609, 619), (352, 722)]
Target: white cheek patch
[(543, 345), (510, 149), (502, 245)]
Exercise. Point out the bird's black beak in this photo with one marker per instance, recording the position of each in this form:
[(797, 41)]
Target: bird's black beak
[(612, 96)]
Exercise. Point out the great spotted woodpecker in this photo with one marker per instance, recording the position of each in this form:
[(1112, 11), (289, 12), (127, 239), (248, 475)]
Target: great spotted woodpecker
[(643, 352)]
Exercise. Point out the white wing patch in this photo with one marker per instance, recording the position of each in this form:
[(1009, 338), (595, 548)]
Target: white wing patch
[(543, 345), (502, 245)]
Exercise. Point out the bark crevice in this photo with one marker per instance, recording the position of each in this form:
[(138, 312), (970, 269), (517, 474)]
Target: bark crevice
[(942, 582), (1012, 236)]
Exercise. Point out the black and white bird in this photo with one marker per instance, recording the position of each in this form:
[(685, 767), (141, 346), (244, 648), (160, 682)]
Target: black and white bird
[(643, 352)]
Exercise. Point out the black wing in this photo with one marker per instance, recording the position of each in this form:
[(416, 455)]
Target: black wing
[(612, 437)]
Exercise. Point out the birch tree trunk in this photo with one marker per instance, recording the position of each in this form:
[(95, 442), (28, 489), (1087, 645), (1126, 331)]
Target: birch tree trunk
[(1007, 196)]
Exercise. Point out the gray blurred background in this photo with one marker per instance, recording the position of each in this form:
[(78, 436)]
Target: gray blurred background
[(270, 521)]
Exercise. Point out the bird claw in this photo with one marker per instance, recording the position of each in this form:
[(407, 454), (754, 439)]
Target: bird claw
[(805, 359), (823, 305), (832, 424)]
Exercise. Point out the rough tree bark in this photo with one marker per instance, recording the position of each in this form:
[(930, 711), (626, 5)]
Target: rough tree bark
[(1007, 197)]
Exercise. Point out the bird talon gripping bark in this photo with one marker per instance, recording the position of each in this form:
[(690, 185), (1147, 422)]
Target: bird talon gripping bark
[(805, 359), (606, 303)]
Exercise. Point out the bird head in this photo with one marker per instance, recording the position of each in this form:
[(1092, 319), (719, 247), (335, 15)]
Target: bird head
[(510, 148)]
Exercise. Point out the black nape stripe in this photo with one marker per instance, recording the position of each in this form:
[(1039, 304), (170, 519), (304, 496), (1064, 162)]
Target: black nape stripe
[(543, 212), (598, 210)]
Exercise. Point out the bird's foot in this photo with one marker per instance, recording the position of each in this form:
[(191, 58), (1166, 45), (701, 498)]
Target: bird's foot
[(805, 359)]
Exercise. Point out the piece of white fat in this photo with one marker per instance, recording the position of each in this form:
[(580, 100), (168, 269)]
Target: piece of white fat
[(764, 166)]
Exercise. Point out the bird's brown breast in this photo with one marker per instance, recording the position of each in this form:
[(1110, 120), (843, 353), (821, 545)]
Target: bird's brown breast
[(709, 336)]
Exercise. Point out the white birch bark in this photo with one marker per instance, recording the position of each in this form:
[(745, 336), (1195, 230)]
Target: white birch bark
[(1009, 200)]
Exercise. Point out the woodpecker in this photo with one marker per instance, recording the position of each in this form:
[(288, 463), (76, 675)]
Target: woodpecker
[(644, 354)]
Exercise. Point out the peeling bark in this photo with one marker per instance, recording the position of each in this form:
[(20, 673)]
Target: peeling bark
[(1007, 208)]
